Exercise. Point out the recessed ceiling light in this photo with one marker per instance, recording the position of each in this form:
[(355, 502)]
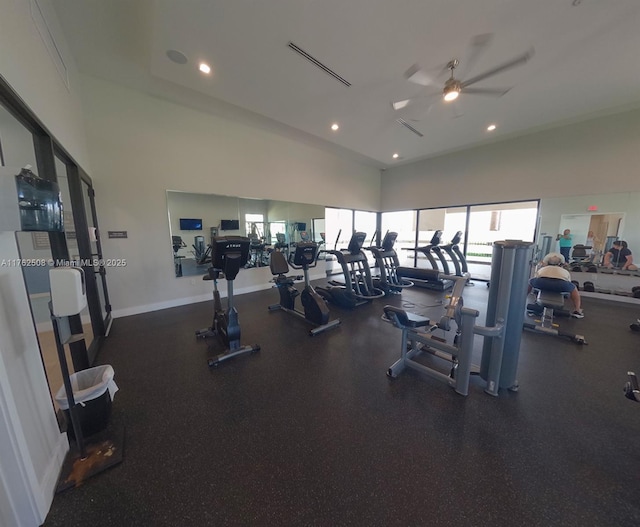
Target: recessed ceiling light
[(335, 126), (176, 56), (395, 156), (491, 128), (204, 68)]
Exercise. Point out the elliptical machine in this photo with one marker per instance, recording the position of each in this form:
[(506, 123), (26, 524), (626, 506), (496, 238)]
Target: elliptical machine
[(358, 287), (315, 308), (228, 255), (388, 263)]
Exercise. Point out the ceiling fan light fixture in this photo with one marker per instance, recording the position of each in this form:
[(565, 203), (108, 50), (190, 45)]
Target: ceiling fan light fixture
[(452, 88), (451, 94)]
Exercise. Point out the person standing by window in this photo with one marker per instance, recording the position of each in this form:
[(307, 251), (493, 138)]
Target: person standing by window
[(565, 242)]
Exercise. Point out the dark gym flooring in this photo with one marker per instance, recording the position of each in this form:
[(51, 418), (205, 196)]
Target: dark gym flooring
[(311, 432)]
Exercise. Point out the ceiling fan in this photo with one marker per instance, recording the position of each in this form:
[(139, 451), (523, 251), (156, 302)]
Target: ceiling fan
[(453, 86)]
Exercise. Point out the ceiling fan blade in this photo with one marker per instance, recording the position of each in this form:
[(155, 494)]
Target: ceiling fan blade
[(400, 105), (457, 111), (416, 117), (517, 61), (418, 76), (497, 92), (477, 47)]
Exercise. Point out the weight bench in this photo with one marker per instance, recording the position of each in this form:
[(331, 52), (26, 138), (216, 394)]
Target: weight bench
[(548, 304)]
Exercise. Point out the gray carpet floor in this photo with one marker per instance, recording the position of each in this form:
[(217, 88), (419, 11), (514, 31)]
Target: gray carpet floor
[(311, 432)]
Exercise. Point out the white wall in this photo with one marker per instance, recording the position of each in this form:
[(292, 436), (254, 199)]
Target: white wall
[(140, 146), (31, 446), (26, 64), (593, 157)]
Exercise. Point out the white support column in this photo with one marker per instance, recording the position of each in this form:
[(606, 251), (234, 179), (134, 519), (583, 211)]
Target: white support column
[(32, 449)]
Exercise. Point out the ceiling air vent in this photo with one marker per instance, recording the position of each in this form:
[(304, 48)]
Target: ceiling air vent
[(317, 63), (408, 126)]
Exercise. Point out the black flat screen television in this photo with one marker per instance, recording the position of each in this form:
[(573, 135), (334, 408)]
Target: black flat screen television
[(229, 225), (190, 224)]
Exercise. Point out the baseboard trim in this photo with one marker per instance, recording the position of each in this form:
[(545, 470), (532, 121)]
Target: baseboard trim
[(612, 297), (146, 308)]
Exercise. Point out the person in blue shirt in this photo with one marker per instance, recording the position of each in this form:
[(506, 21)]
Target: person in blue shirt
[(565, 242)]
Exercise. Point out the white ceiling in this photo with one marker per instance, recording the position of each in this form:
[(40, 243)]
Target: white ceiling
[(586, 63)]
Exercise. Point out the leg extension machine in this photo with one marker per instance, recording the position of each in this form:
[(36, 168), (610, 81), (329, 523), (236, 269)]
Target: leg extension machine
[(415, 342)]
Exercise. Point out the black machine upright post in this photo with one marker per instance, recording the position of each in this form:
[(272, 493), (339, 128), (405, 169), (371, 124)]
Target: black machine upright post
[(66, 378)]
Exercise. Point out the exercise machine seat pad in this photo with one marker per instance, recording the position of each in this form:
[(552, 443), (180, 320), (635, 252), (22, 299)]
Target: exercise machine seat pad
[(405, 319), (278, 263), (552, 299)]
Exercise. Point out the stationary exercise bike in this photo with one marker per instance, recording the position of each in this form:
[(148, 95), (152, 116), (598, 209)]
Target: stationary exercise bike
[(228, 255), (315, 308)]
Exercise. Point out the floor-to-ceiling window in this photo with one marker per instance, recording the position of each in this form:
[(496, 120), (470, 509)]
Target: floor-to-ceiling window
[(479, 227), (404, 223), (497, 221)]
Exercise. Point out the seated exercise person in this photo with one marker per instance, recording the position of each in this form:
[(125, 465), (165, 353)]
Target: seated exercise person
[(565, 242), (551, 276), (619, 257)]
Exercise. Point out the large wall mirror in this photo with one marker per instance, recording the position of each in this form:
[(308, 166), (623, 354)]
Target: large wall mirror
[(270, 224), (195, 218), (608, 216)]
